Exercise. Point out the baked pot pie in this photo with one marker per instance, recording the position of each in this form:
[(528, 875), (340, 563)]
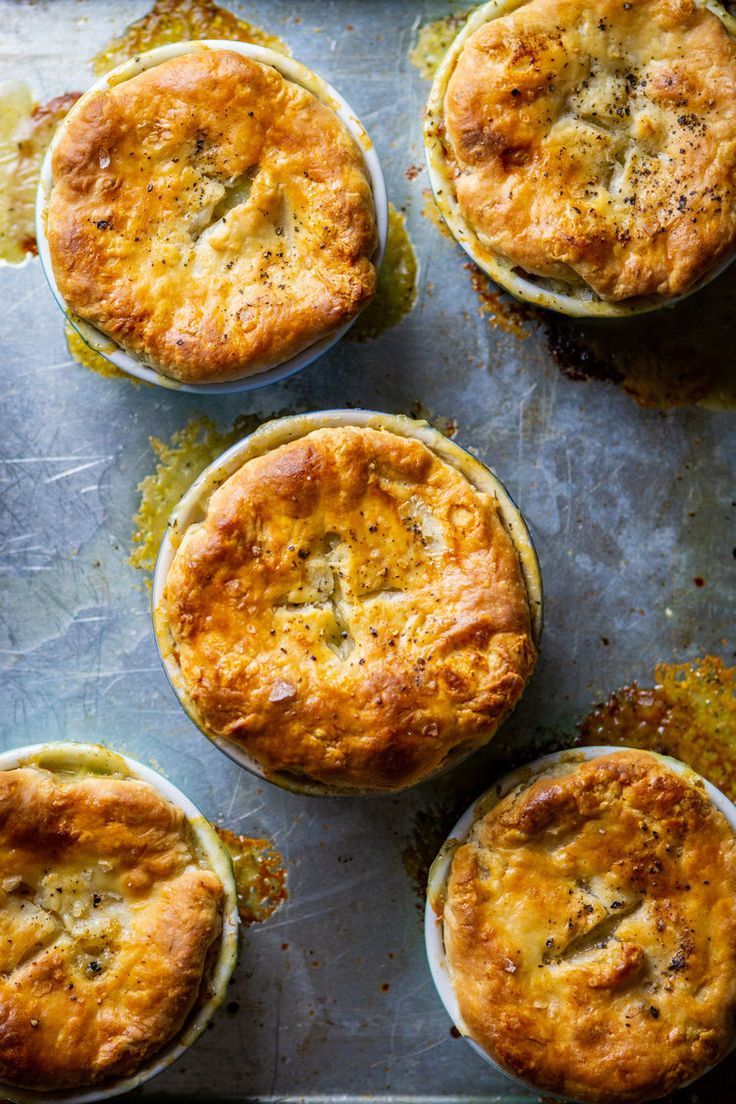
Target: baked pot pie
[(211, 215), (587, 932), (118, 922), (585, 155), (347, 603)]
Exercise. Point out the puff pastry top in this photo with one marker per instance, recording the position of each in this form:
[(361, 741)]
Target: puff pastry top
[(106, 926), (350, 611), (590, 929), (596, 143), (210, 216)]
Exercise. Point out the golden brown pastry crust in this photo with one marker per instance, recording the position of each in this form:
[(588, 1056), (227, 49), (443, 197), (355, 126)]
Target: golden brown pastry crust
[(597, 143), (106, 927), (212, 217), (590, 929), (351, 610)]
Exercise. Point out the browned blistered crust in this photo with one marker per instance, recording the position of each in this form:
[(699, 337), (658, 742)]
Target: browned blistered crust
[(211, 216), (106, 925), (597, 142), (590, 928), (351, 610)]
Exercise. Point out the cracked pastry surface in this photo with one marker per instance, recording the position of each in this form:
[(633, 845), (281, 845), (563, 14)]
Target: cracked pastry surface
[(212, 217), (106, 926), (596, 144), (351, 610), (590, 930)]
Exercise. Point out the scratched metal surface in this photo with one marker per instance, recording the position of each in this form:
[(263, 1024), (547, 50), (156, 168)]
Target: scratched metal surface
[(334, 1000)]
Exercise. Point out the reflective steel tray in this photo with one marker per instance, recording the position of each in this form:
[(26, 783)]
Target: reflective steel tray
[(332, 999)]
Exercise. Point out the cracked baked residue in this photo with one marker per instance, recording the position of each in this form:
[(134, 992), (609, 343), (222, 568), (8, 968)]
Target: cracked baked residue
[(351, 611), (596, 145), (107, 924), (212, 217), (590, 930), (182, 21), (260, 875)]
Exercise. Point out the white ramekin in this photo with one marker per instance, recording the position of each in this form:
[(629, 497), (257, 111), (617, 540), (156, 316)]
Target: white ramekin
[(94, 759), (192, 508), (439, 872), (293, 71), (539, 291)]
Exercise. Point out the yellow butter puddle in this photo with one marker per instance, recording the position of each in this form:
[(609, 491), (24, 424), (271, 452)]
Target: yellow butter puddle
[(396, 292), (689, 713), (179, 20), (260, 875)]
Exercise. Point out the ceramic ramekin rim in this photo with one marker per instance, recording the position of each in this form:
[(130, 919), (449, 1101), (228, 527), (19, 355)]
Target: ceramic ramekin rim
[(498, 268), (293, 70), (440, 870), (101, 760), (190, 510)]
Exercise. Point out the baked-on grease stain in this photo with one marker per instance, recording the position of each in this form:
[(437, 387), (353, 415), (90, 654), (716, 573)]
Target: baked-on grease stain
[(690, 714), (504, 312), (673, 357), (668, 358), (676, 356), (260, 875), (178, 21)]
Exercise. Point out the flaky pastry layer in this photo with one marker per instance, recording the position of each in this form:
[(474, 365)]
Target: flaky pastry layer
[(210, 216), (596, 144), (590, 930), (350, 611), (107, 924)]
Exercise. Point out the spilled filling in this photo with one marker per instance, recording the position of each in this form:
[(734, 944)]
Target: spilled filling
[(431, 212), (396, 292), (180, 461), (26, 129), (433, 41)]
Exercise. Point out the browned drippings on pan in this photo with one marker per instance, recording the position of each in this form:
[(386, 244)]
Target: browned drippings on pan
[(260, 875), (689, 713)]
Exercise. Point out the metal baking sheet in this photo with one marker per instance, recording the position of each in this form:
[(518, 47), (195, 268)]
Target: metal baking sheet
[(332, 999)]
